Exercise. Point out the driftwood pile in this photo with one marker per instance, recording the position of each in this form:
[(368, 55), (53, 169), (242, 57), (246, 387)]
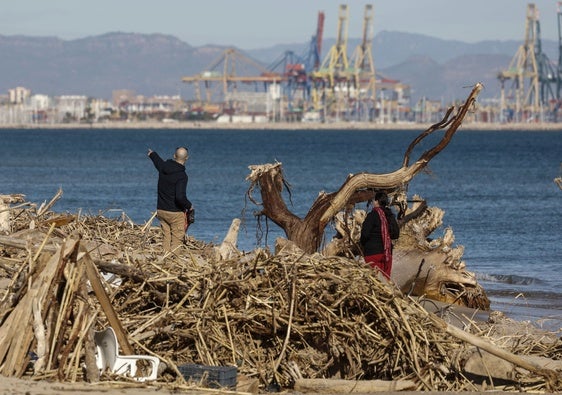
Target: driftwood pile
[(285, 319)]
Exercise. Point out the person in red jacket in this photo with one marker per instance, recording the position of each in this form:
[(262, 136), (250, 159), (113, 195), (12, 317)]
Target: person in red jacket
[(377, 232), (173, 204)]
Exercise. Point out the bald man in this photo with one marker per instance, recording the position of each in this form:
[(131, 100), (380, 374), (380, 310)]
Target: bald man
[(172, 204)]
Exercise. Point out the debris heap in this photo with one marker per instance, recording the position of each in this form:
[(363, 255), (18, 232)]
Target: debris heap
[(280, 318)]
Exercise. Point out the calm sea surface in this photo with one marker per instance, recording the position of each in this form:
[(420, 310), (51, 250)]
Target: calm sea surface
[(496, 189)]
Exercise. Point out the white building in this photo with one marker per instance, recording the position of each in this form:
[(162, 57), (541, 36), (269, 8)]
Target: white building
[(19, 95), (72, 107), (39, 102), (101, 108)]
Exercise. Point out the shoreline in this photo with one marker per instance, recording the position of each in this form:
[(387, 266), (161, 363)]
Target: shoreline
[(366, 126)]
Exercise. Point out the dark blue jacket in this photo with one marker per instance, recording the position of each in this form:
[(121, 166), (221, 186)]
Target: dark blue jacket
[(172, 184)]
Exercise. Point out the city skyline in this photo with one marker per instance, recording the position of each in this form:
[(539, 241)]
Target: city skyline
[(252, 24)]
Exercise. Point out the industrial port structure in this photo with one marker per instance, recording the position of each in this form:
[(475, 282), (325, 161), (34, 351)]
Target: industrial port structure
[(531, 86), (340, 87)]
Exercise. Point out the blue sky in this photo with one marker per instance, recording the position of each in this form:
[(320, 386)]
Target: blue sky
[(250, 24)]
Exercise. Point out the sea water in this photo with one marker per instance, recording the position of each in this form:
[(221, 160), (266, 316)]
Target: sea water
[(495, 187)]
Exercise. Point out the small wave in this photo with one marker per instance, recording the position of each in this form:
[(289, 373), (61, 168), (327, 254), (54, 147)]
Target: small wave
[(508, 279), (538, 297), (543, 308)]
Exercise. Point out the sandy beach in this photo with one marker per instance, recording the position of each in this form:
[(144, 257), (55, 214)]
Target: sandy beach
[(13, 386)]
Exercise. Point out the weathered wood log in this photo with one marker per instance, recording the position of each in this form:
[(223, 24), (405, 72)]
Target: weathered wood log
[(482, 363), (337, 386), (18, 242), (5, 201), (106, 306), (39, 332), (92, 371), (499, 352), (227, 249)]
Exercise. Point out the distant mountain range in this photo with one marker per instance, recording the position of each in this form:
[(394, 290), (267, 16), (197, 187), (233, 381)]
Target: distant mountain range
[(153, 64)]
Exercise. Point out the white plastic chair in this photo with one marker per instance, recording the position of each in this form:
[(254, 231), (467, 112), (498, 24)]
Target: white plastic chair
[(107, 357)]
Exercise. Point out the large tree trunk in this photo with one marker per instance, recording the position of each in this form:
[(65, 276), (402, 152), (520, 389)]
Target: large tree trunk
[(307, 232)]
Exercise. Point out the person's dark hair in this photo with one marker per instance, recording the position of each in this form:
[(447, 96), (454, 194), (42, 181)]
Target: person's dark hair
[(382, 198)]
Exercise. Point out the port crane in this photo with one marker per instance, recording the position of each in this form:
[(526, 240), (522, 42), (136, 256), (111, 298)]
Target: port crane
[(335, 66), (364, 68), (314, 54), (295, 70), (333, 80), (531, 75), (559, 74), (547, 75), (295, 85), (228, 73)]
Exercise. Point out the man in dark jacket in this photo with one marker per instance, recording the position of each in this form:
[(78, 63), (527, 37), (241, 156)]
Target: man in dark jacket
[(172, 203)]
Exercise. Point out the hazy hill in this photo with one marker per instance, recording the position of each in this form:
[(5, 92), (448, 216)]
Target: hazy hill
[(154, 64)]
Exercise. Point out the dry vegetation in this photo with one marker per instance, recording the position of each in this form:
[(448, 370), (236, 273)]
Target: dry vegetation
[(279, 317)]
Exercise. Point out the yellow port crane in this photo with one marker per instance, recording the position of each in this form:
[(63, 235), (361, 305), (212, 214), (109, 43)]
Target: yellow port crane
[(364, 67), (524, 96), (334, 79), (336, 64)]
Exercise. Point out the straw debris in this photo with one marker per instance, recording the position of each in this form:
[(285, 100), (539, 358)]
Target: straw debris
[(282, 318)]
